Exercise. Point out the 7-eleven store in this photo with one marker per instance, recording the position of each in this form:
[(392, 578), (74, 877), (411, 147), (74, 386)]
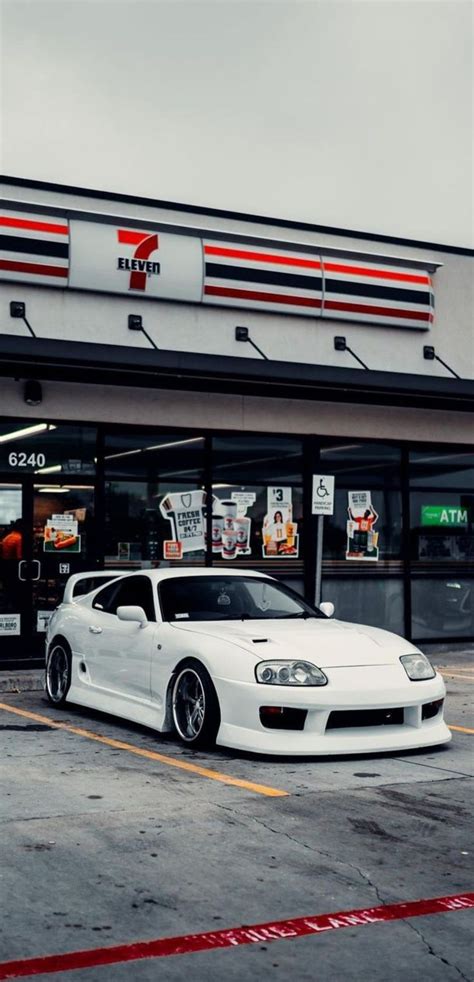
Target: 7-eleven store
[(169, 374)]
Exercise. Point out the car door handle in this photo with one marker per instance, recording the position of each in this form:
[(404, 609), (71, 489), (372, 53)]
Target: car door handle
[(95, 630)]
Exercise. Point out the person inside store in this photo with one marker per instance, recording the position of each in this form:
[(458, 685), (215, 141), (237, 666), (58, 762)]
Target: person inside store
[(11, 546)]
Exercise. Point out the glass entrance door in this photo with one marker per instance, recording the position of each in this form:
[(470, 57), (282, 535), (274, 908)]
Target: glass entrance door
[(46, 535), (15, 569), (63, 543)]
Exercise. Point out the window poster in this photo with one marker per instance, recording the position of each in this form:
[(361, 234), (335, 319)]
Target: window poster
[(362, 540), (10, 624), (279, 531), (43, 618), (231, 526), (186, 512), (61, 534)]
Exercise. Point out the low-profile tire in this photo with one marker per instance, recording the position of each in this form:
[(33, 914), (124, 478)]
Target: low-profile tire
[(194, 705), (58, 672)]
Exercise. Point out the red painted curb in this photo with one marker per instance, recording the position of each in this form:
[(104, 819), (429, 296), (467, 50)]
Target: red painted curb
[(230, 937)]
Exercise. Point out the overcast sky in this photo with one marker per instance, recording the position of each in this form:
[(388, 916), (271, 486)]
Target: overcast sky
[(352, 113)]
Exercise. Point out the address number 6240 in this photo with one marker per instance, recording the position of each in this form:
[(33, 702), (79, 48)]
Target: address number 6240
[(26, 460)]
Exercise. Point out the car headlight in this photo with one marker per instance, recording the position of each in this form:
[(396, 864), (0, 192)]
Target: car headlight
[(418, 667), (289, 673)]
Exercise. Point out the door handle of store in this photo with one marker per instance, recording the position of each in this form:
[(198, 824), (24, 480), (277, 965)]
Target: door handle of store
[(37, 563), (95, 630), (23, 568)]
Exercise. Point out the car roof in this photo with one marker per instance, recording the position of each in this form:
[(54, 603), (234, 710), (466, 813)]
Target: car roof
[(167, 574), (156, 576)]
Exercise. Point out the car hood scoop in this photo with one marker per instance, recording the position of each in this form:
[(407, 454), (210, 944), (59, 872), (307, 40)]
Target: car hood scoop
[(327, 643)]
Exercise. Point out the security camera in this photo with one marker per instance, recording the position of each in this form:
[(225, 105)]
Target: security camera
[(33, 393)]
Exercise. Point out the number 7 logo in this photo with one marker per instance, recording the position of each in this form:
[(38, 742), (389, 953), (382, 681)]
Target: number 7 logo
[(146, 243)]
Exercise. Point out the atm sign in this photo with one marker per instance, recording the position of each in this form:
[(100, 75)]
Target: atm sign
[(444, 515)]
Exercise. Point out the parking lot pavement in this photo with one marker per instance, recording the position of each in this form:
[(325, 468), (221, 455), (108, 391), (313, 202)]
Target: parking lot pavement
[(105, 846)]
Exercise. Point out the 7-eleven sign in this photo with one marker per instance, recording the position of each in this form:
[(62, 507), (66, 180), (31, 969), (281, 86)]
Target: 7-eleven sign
[(138, 262), (150, 264)]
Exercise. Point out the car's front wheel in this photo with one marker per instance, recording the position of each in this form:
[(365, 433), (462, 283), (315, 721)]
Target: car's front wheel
[(195, 706), (58, 672)]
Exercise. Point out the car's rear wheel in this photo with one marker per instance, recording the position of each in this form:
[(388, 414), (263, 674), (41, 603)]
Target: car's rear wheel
[(195, 706), (58, 672)]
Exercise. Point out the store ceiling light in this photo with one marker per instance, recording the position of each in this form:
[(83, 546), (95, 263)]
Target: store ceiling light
[(26, 431), (50, 470), (176, 443), (55, 488), (125, 453), (157, 446)]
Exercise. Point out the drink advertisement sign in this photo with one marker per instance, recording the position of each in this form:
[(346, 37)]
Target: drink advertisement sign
[(362, 540), (279, 532)]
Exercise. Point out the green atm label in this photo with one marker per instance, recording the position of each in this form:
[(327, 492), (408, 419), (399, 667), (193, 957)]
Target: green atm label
[(444, 515)]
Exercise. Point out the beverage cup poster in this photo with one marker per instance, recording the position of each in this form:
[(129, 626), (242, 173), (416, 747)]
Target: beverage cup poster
[(279, 531), (231, 526), (362, 539), (61, 534), (186, 513)]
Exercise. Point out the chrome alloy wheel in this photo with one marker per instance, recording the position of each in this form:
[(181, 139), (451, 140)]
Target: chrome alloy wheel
[(189, 704), (57, 673)]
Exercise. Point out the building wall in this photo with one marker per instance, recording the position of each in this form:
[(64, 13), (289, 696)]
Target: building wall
[(158, 407), (82, 316)]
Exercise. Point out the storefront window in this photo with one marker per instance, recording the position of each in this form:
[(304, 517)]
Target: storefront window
[(154, 524), (155, 499), (442, 543), (442, 606), (152, 455), (46, 448), (442, 469), (442, 527), (377, 601), (367, 522), (257, 503)]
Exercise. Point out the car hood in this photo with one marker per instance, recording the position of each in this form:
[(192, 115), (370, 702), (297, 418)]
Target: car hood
[(328, 643)]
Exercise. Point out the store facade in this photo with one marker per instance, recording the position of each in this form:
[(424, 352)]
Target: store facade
[(116, 455)]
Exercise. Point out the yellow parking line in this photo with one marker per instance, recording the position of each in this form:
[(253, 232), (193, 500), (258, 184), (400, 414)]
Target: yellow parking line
[(461, 729), (453, 675), (151, 754)]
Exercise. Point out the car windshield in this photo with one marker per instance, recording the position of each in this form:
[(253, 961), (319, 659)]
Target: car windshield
[(230, 598)]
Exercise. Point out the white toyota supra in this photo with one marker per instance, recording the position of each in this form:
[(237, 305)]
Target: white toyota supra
[(238, 659)]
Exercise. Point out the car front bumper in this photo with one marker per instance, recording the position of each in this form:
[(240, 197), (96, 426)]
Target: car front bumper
[(348, 689)]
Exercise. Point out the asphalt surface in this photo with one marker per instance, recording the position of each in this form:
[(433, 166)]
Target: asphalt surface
[(101, 846)]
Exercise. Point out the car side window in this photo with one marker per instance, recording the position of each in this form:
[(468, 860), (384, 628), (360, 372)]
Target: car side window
[(105, 598), (133, 591), (90, 583)]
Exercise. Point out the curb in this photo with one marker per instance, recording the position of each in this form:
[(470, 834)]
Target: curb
[(31, 682)]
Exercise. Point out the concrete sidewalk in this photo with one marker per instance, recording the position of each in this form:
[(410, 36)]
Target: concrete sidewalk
[(22, 680)]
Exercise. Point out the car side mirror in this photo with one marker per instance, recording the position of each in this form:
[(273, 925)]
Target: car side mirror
[(327, 608), (132, 614)]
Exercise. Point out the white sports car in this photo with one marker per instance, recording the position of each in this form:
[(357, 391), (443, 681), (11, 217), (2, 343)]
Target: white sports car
[(238, 659)]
